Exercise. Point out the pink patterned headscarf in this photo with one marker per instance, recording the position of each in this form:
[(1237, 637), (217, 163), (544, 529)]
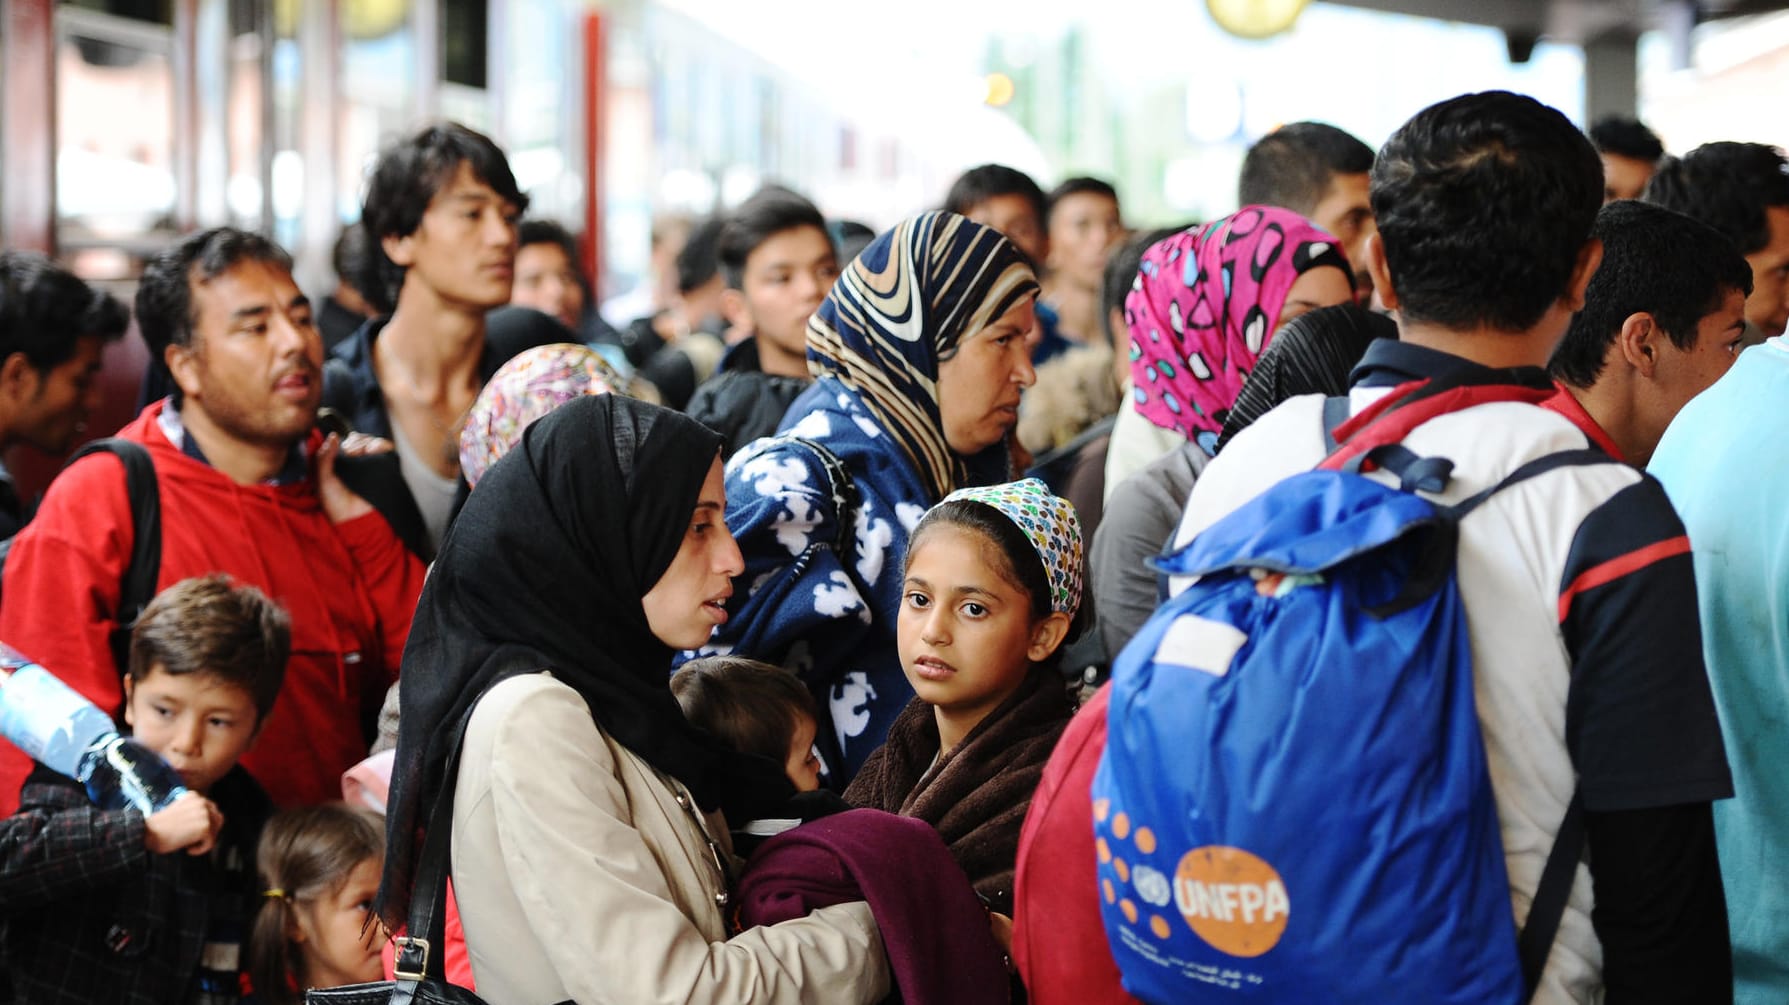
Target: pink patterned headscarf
[(524, 389), (1205, 304)]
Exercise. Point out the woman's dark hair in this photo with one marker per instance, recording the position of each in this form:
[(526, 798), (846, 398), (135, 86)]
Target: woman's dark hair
[(1727, 186), (1484, 203), (1655, 262), (751, 706), (1023, 567), (409, 175), (304, 854)]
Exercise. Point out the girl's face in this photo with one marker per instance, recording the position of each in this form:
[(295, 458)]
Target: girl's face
[(689, 600), (965, 632), (336, 945)]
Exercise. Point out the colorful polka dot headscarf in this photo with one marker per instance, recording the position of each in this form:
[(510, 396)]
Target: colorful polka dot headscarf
[(524, 389), (1205, 304), (1049, 523)]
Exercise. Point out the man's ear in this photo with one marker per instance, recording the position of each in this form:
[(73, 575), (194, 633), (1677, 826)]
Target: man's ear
[(735, 311), (182, 364), (1590, 258), (1380, 270), (401, 250), (1046, 636), (128, 688), (19, 380), (1637, 343)]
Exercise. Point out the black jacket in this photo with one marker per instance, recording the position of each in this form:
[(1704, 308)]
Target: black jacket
[(92, 916), (742, 402)]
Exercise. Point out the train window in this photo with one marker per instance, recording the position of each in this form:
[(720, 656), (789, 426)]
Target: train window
[(156, 11), (464, 29)]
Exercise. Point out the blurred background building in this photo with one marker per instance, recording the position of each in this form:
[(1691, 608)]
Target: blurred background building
[(126, 122)]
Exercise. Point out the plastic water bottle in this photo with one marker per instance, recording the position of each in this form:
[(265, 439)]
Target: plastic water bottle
[(65, 732)]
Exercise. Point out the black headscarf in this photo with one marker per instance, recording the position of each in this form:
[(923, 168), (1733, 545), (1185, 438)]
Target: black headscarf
[(1312, 355), (544, 570)]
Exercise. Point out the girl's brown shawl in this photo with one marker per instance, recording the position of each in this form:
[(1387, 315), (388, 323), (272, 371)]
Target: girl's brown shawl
[(977, 794)]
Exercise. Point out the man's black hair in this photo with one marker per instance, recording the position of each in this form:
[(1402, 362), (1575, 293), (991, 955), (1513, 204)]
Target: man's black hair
[(1292, 167), (1079, 185), (699, 260), (1727, 186), (351, 256), (1655, 262), (766, 214), (1625, 136), (979, 184), (409, 175), (1121, 275), (165, 293), (44, 309), (1484, 203), (548, 232)]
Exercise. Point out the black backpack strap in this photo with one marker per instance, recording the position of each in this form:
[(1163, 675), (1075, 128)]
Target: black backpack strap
[(1336, 411), (1548, 907), (1535, 468), (845, 499), (137, 588)]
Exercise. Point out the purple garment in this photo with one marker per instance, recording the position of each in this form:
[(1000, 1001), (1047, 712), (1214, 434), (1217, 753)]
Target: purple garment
[(934, 928)]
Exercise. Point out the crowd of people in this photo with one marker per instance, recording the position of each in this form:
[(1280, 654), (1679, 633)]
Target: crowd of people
[(754, 645)]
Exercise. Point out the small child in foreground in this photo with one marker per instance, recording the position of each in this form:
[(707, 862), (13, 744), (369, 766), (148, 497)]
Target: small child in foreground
[(319, 868), (757, 708), (110, 906)]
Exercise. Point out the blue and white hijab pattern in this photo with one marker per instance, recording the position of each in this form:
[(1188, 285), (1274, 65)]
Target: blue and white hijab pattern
[(821, 599)]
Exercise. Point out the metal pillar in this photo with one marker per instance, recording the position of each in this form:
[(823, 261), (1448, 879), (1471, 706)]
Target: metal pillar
[(1611, 74)]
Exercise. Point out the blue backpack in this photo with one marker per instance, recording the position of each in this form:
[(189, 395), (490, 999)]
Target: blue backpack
[(1293, 804)]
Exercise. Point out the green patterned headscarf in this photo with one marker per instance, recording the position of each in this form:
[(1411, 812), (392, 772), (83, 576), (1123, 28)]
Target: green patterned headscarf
[(1049, 522)]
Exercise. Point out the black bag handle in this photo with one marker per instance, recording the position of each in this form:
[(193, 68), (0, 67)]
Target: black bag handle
[(417, 958)]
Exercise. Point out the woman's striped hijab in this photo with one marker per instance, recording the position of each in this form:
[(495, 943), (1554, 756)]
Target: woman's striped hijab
[(900, 308)]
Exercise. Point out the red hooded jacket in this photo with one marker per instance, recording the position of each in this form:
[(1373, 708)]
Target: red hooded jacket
[(350, 590)]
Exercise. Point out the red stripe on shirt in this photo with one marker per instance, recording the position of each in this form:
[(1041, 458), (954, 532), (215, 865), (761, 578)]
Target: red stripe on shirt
[(1615, 568)]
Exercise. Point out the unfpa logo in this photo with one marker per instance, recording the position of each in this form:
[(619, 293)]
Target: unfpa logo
[(1233, 900)]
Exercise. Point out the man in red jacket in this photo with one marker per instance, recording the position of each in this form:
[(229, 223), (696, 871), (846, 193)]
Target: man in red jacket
[(248, 488)]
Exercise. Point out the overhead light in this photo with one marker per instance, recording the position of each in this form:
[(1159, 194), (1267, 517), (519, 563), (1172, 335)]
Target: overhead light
[(1255, 18), (999, 92)]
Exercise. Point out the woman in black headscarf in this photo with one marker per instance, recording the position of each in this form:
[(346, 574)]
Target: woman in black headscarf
[(587, 855)]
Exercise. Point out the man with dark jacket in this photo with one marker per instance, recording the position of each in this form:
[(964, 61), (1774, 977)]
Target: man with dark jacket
[(779, 263)]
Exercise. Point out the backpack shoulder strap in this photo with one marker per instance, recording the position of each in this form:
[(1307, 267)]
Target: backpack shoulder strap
[(138, 585), (845, 500), (1535, 468), (1548, 907)]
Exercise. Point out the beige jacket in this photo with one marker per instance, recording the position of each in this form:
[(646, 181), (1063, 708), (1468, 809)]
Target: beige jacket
[(580, 875)]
